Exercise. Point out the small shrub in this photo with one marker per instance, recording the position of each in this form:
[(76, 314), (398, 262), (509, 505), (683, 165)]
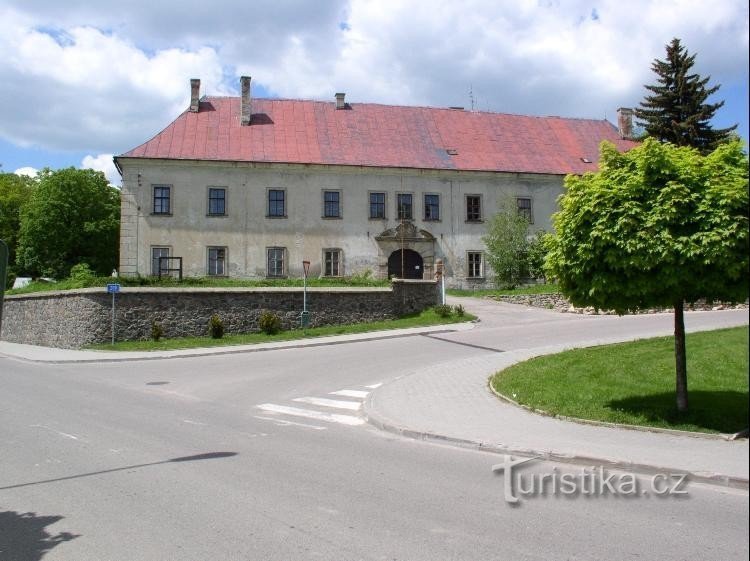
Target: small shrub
[(157, 331), (459, 310), (216, 327), (443, 310), (81, 275), (269, 323)]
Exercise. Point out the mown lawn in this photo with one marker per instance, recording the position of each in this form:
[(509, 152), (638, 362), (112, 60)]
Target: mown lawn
[(533, 289), (634, 383), (425, 318)]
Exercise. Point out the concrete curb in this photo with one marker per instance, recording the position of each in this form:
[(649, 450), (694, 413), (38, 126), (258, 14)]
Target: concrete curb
[(387, 425)]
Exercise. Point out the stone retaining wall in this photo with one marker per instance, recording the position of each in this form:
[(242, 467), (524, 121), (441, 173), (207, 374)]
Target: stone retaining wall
[(75, 318), (559, 303)]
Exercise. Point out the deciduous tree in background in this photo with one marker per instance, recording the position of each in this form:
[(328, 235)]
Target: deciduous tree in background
[(73, 217), (506, 244), (657, 226), (15, 191), (677, 111)]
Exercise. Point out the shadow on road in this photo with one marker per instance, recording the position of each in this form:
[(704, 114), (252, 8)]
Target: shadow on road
[(723, 411), (206, 456), (23, 536)]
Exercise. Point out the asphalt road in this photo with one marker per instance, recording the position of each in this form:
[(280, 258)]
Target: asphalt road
[(221, 458)]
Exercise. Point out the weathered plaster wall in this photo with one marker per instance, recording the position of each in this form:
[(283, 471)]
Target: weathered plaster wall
[(246, 232), (75, 318)]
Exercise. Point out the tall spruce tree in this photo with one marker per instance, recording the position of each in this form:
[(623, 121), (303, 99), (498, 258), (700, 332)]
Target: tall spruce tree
[(677, 111)]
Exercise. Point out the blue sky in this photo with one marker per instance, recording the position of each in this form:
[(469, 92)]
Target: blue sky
[(82, 82)]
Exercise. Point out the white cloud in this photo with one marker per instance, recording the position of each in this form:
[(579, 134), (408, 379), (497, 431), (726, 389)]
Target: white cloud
[(105, 164), (28, 171), (80, 77)]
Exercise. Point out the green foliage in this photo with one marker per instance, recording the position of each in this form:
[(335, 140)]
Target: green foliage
[(677, 111), (15, 191), (215, 327), (157, 331), (81, 276), (269, 323), (536, 254), (71, 217), (443, 310), (506, 245), (459, 310), (655, 226)]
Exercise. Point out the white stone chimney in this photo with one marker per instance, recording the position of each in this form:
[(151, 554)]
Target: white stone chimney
[(340, 103), (195, 87), (625, 122), (246, 109)]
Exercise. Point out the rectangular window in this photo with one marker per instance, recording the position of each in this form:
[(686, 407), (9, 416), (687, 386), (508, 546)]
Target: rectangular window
[(332, 263), (275, 264), (162, 199), (432, 207), (473, 208), (475, 265), (331, 204), (524, 209), (377, 205), (217, 201), (156, 253), (276, 206), (404, 204), (217, 257)]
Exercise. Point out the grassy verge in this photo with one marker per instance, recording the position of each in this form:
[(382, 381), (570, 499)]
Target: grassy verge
[(533, 289), (633, 383), (425, 318), (193, 282)]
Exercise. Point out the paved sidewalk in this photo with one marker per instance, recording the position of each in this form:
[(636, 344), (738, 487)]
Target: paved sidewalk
[(452, 403)]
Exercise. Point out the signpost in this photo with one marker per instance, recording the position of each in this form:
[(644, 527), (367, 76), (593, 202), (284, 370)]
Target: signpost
[(3, 276), (113, 288), (304, 317)]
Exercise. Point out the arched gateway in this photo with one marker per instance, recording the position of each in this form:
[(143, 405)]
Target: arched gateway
[(406, 252), (405, 264)]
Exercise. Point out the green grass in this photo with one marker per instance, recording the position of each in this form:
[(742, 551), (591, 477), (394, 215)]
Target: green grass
[(634, 383), (192, 282), (533, 289), (425, 318)]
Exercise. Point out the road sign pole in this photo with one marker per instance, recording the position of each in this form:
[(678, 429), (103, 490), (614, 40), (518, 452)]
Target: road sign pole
[(113, 289), (3, 277)]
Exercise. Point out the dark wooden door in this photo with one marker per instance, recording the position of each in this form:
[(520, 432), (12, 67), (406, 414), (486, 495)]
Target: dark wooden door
[(411, 261)]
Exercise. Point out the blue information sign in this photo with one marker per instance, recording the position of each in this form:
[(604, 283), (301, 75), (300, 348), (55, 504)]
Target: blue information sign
[(112, 288)]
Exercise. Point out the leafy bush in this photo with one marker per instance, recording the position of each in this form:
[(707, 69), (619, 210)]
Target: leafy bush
[(216, 327), (459, 310), (443, 310), (269, 323), (157, 331), (81, 276), (536, 254)]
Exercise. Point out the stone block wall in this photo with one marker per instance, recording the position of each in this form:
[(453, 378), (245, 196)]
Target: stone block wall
[(75, 318)]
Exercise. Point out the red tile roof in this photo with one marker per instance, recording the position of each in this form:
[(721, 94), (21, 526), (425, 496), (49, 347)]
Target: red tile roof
[(366, 134)]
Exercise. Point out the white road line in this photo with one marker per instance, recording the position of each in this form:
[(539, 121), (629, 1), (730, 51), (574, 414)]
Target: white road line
[(188, 421), (311, 414), (65, 434), (283, 423), (334, 403), (374, 386), (351, 393)]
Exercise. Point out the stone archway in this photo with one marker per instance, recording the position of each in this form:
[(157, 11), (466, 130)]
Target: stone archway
[(405, 264), (419, 244)]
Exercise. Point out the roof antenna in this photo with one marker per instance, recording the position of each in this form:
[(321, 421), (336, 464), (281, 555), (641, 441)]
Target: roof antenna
[(471, 96)]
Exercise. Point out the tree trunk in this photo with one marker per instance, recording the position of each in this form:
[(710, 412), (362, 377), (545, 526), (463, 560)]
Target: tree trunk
[(680, 357)]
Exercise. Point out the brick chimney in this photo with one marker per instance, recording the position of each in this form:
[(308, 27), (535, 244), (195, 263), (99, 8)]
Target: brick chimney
[(340, 103), (625, 122), (195, 87), (246, 110)]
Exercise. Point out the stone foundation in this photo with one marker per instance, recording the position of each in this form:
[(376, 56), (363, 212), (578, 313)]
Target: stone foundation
[(76, 318)]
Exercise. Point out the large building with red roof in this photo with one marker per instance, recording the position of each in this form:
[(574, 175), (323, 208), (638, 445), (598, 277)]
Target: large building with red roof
[(246, 187)]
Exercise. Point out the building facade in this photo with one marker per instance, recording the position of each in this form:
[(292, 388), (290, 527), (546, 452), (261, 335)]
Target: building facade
[(252, 188)]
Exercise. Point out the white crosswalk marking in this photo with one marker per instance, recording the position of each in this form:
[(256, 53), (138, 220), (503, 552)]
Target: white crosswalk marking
[(374, 386), (334, 403), (351, 393), (312, 414)]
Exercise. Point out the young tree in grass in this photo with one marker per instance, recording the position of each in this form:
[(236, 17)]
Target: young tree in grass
[(72, 217), (677, 111), (15, 191), (660, 225), (506, 244)]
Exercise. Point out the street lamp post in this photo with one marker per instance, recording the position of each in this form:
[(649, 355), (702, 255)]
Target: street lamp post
[(305, 316)]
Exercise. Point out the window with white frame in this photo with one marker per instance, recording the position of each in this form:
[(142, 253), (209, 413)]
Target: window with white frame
[(275, 262), (476, 265), (217, 260), (156, 262), (332, 263)]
